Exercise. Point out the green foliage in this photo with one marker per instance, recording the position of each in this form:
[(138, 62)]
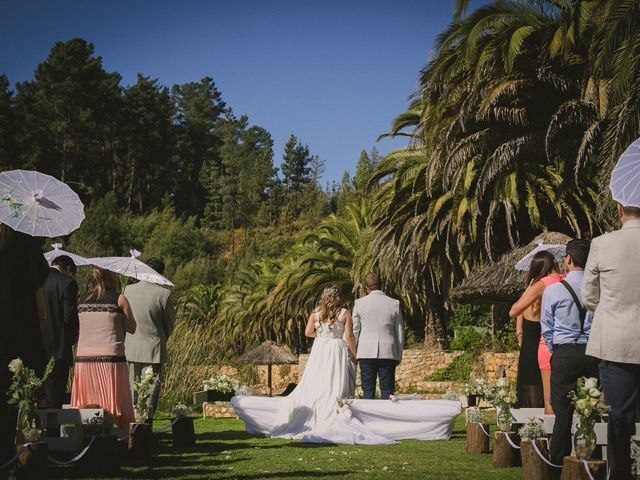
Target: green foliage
[(458, 370), (505, 339), (464, 315), (468, 338)]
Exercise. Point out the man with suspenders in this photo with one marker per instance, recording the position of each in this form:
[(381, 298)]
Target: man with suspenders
[(566, 325)]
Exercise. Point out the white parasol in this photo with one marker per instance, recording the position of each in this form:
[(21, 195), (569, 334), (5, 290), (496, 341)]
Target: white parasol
[(625, 178), (131, 267), (51, 255), (38, 204), (558, 252)]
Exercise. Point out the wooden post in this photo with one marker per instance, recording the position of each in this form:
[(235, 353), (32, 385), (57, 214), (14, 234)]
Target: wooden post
[(574, 469), (504, 455), (477, 440), (269, 379), (533, 467), (140, 441), (33, 462)]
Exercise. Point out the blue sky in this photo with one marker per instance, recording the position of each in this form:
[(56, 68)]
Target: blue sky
[(334, 73)]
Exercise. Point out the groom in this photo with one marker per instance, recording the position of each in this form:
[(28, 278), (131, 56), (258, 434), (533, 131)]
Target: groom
[(379, 330)]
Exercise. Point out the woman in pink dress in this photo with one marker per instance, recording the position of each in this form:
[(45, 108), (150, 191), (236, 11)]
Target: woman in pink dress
[(100, 375), (527, 309)]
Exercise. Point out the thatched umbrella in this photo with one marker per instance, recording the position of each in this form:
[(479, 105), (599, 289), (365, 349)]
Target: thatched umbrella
[(499, 283), (270, 353)]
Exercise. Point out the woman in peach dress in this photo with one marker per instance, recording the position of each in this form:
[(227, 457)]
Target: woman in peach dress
[(527, 309), (100, 375)]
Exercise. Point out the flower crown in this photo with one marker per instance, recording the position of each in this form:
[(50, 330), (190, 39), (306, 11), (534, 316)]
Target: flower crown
[(330, 293)]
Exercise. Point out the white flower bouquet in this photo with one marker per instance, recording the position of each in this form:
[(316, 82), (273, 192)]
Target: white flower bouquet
[(474, 415), (502, 396), (221, 383), (478, 387), (143, 389), (586, 399), (181, 410), (244, 390), (532, 430)]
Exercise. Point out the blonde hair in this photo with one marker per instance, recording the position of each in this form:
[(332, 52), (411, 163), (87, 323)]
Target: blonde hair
[(330, 305), (100, 282)]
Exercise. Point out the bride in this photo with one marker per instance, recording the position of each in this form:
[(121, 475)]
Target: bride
[(310, 413)]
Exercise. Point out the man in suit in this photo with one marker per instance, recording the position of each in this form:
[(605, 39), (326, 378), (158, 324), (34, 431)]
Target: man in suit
[(378, 327), (154, 311), (566, 324), (60, 331), (611, 289)]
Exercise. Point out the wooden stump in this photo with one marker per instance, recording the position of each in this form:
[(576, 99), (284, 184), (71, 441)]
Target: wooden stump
[(574, 469), (477, 440), (504, 455), (140, 441), (33, 462), (533, 467), (182, 432)]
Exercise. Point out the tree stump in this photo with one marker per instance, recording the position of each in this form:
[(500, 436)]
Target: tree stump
[(477, 440), (33, 462), (574, 469), (140, 441), (102, 458), (504, 455), (182, 432), (533, 467)]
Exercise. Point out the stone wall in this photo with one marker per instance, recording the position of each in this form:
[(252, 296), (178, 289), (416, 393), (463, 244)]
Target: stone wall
[(416, 366)]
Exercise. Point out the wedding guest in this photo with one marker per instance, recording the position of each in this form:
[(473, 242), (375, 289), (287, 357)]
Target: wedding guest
[(378, 327), (60, 332), (100, 374), (611, 289), (566, 324), (528, 306), (23, 272), (154, 311)]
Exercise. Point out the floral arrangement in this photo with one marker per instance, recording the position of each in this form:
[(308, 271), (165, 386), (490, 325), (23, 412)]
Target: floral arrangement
[(343, 404), (477, 386), (181, 410), (99, 424), (502, 396), (23, 393), (221, 383), (244, 390), (532, 430), (143, 388), (586, 399), (635, 457), (474, 415), (449, 395)]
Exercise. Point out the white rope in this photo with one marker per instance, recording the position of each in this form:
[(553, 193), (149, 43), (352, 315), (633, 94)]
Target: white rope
[(74, 459), (13, 459), (506, 434), (587, 469), (167, 427), (535, 447), (132, 432), (483, 430)]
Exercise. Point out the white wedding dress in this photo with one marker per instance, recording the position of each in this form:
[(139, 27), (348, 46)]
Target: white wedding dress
[(311, 412)]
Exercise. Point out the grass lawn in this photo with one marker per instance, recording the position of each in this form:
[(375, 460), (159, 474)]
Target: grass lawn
[(225, 451)]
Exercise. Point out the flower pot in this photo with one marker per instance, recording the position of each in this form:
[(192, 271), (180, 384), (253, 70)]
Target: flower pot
[(182, 432), (584, 440), (33, 462), (139, 444), (472, 400), (211, 396), (102, 458)]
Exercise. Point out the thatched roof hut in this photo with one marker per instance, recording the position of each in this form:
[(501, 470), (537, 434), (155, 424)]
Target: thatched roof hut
[(269, 353), (499, 281)]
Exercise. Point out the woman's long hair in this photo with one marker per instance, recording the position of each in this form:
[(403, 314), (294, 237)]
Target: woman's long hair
[(330, 305), (542, 264), (100, 282)]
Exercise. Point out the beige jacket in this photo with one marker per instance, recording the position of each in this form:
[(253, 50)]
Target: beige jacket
[(153, 309), (378, 326), (611, 289)]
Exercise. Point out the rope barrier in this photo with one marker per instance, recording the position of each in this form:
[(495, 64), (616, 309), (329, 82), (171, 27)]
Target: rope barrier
[(513, 445), (535, 447), (483, 430), (587, 469), (167, 427), (74, 459), (132, 432), (13, 459)]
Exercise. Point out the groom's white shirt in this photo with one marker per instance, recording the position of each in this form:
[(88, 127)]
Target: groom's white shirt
[(378, 326)]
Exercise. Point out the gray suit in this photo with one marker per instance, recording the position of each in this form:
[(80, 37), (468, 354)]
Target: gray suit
[(153, 309), (378, 326), (611, 288)]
